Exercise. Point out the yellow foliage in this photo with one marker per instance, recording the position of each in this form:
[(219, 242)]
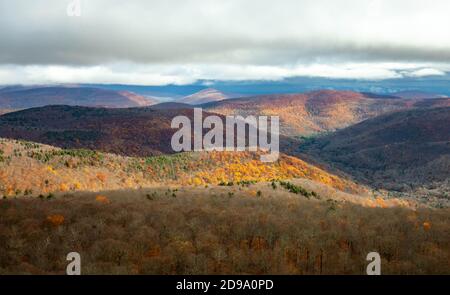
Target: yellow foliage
[(197, 169), (197, 181), (51, 170), (77, 185)]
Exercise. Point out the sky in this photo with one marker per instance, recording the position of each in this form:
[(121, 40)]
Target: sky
[(160, 42)]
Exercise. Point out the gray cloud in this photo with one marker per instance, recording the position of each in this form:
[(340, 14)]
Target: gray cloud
[(254, 33)]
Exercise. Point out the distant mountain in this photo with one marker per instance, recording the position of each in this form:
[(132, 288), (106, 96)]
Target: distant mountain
[(171, 105), (26, 97), (204, 96), (417, 94), (312, 112), (135, 100), (11, 88), (378, 95), (398, 151), (4, 111)]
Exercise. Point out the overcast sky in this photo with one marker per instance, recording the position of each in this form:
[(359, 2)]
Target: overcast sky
[(157, 42)]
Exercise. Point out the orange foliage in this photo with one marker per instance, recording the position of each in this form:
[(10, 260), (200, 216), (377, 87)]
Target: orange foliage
[(63, 187), (252, 193), (55, 220), (154, 252), (217, 167), (101, 176), (344, 245), (381, 202), (102, 199), (426, 225), (199, 169), (259, 243)]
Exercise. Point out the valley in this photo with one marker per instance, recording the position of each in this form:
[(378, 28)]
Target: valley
[(399, 151)]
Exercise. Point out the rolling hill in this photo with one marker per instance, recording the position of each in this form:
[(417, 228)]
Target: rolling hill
[(433, 102), (401, 151), (127, 131), (28, 97), (42, 169), (313, 112), (143, 131)]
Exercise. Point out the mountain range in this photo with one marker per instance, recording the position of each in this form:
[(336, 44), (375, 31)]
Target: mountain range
[(380, 141), (29, 97), (411, 94)]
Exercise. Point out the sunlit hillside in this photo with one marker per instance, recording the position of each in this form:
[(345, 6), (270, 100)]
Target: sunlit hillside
[(318, 111), (30, 169), (28, 166)]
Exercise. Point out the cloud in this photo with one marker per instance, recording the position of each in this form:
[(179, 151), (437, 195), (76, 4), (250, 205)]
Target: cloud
[(250, 38), (134, 74), (426, 72), (33, 75)]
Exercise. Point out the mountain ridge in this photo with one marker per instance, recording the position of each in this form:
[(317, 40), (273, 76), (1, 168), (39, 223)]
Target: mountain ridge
[(306, 114), (204, 96), (28, 97)]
